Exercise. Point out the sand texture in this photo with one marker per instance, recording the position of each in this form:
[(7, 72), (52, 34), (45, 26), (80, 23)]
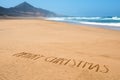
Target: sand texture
[(46, 50)]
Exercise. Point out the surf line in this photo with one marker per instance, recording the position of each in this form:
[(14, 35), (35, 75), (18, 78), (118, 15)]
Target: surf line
[(66, 62)]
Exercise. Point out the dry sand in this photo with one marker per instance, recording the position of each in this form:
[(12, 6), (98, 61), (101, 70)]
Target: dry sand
[(46, 50)]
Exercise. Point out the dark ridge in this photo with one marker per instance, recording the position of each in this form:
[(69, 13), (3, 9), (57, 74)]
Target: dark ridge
[(26, 10)]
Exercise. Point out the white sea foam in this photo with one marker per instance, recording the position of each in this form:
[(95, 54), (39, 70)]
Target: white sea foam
[(88, 18), (113, 18), (83, 18), (103, 21), (56, 18), (73, 18), (103, 24)]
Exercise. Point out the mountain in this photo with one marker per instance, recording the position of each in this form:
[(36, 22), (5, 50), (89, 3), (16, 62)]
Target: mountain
[(2, 11), (25, 10)]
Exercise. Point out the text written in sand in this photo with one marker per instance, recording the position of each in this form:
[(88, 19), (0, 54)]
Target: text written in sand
[(66, 62)]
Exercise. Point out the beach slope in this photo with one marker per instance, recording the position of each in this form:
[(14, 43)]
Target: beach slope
[(46, 50)]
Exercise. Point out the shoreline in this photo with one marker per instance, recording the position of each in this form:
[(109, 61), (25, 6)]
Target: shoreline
[(87, 25), (102, 22), (43, 18)]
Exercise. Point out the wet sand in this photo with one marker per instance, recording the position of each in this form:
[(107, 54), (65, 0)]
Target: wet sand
[(46, 50)]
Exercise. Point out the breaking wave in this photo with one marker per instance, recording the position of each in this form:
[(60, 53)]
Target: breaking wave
[(102, 24), (102, 21)]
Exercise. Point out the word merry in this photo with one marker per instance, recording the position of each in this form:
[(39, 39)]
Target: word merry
[(65, 62)]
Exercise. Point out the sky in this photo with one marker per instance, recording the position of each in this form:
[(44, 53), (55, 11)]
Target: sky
[(73, 7)]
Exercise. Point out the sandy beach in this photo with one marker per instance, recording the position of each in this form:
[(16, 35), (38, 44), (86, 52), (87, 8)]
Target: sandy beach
[(46, 50)]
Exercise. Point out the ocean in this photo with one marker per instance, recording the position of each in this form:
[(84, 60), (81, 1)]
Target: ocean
[(111, 22)]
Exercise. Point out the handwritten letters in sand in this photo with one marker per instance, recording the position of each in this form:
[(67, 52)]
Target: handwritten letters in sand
[(65, 62)]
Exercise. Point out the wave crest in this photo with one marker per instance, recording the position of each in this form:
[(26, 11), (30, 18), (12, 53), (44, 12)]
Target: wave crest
[(105, 21)]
